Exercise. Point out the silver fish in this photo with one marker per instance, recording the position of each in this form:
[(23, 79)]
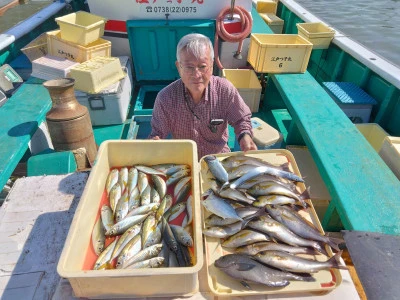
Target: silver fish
[(123, 178), (145, 195), (133, 174), (122, 207), (142, 255), (98, 237), (104, 256), (107, 217), (243, 268), (289, 262), (253, 249), (159, 184), (176, 210), (129, 234), (154, 196), (246, 211), (112, 179), (239, 171), (237, 160), (277, 230), (134, 199), (181, 183), (220, 207), (149, 225), (174, 178), (154, 262), (214, 220), (216, 168), (149, 170), (189, 211), (182, 235), (262, 201), (154, 237), (165, 205), (223, 232), (115, 194), (172, 170), (144, 209), (124, 224), (130, 249), (265, 170), (245, 237), (236, 195), (143, 181), (300, 226)]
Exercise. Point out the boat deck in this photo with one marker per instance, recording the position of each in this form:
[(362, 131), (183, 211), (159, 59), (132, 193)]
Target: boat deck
[(34, 223)]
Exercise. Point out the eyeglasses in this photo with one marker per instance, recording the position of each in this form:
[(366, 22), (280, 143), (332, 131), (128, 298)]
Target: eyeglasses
[(192, 70)]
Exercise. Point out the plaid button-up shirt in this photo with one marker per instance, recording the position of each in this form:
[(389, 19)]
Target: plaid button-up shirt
[(175, 113)]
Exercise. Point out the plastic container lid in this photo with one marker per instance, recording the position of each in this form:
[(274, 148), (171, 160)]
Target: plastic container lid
[(263, 134), (348, 93)]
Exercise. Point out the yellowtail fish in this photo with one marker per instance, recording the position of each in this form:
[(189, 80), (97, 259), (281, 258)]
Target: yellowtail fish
[(107, 217), (144, 254), (154, 196), (134, 199), (129, 234), (154, 262), (182, 236), (223, 232), (144, 209), (279, 231), (236, 195), (98, 237), (245, 237), (104, 256), (123, 178), (262, 171), (122, 207), (262, 201), (112, 179), (154, 237), (124, 224), (253, 249), (296, 223), (244, 268), (165, 205), (159, 184), (149, 225), (214, 220), (145, 195), (217, 169), (149, 170), (234, 161), (289, 262), (133, 175), (131, 248), (220, 207), (143, 181), (115, 194)]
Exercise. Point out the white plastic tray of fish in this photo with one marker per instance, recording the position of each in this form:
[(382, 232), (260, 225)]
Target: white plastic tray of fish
[(256, 266)]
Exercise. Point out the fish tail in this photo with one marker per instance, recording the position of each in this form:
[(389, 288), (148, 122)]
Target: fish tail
[(305, 277), (246, 220), (335, 242), (334, 261)]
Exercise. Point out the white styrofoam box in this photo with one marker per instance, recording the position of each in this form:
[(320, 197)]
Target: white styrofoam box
[(50, 67), (119, 43), (40, 140), (357, 113), (390, 153), (153, 10), (227, 51), (110, 106)]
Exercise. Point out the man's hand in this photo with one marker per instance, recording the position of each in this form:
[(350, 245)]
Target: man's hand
[(247, 143), (156, 138)]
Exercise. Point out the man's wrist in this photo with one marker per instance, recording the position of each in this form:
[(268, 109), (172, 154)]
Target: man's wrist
[(242, 135)]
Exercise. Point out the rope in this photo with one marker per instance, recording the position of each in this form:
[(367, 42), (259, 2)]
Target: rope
[(246, 22)]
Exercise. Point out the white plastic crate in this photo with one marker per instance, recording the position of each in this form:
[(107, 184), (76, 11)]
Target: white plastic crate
[(390, 153), (52, 67), (110, 106)]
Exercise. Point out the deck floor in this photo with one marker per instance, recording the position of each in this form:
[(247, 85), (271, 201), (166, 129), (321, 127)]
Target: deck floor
[(34, 223)]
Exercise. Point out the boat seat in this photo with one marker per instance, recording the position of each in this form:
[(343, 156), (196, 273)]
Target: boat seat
[(364, 190), (20, 117), (53, 163)]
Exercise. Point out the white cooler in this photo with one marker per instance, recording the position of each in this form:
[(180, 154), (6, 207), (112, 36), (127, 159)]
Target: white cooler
[(111, 105)]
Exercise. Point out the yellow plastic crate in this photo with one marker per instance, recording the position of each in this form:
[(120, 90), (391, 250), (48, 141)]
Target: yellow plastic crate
[(36, 48), (273, 22), (248, 85), (318, 34), (373, 133), (279, 53), (390, 153), (95, 74), (75, 52), (81, 27), (267, 6), (130, 283)]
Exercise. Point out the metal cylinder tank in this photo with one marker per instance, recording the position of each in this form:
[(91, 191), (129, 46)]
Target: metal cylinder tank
[(68, 121)]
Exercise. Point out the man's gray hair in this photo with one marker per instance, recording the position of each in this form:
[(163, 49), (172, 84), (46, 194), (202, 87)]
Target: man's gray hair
[(196, 44)]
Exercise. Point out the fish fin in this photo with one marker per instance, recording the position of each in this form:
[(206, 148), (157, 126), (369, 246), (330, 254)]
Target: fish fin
[(244, 267), (306, 277), (245, 284), (246, 220), (335, 261), (335, 243)]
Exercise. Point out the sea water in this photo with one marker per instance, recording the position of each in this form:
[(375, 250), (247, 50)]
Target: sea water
[(372, 23)]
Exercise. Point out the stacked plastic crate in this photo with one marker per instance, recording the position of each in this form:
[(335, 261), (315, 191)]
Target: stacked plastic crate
[(102, 83)]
